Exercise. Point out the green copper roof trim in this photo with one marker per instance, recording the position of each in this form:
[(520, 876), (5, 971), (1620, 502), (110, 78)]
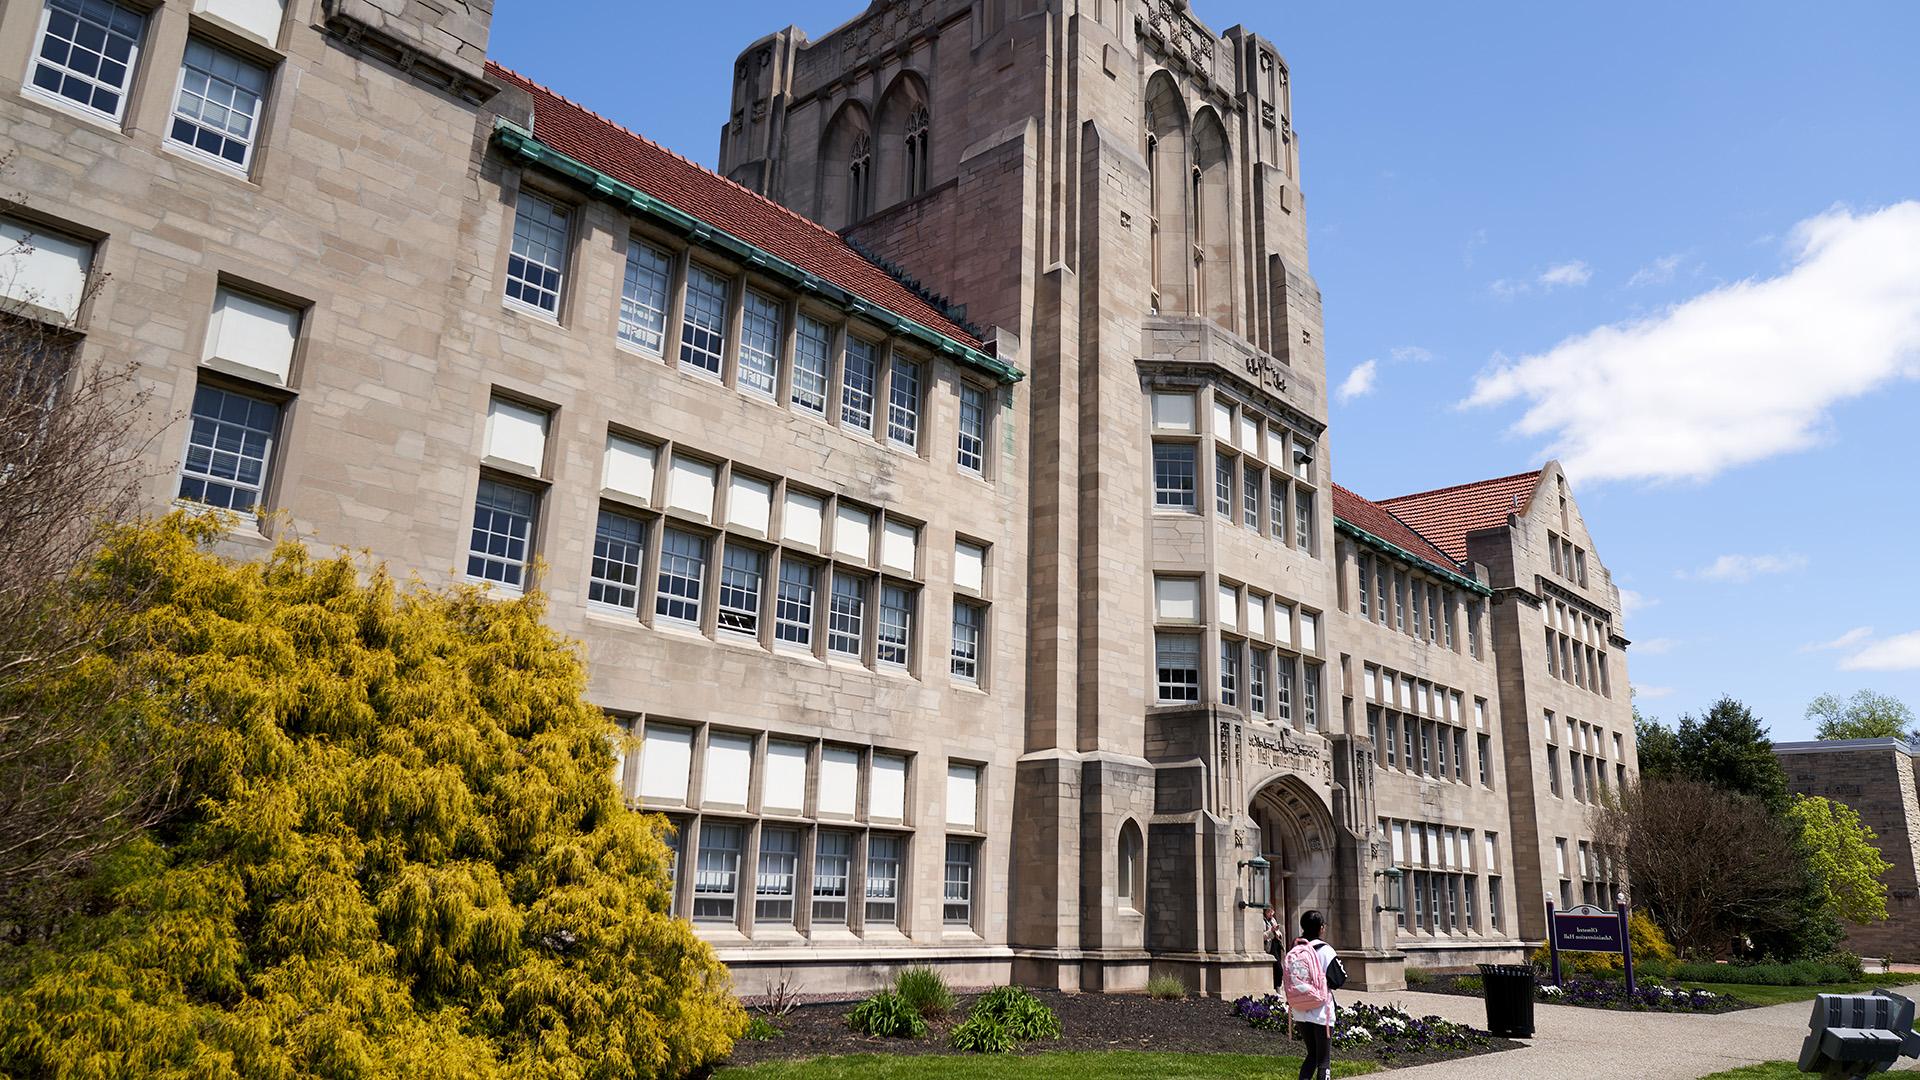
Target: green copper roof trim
[(520, 143), (1341, 524)]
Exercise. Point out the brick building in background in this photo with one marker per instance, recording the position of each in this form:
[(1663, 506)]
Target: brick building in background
[(966, 566), (1878, 779)]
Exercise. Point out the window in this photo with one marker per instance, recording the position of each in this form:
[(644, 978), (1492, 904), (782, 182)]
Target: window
[(742, 570), (502, 533), (1173, 476), (759, 345), (793, 605), (903, 403), (87, 52), (968, 622), (895, 633), (1283, 688), (1459, 754), (643, 297), (1413, 763), (773, 886), (229, 449), (1399, 601), (716, 877), (1127, 868), (917, 152), (846, 615), (1366, 592), (218, 103), (619, 543), (1251, 481), (860, 176), (703, 322), (1310, 696), (1303, 521), (1433, 613), (1441, 741), (1229, 671), (1177, 660), (1486, 772), (1392, 743), (971, 449), (1553, 769), (683, 576), (538, 258), (1426, 748), (832, 867), (883, 879), (856, 386), (1446, 617), (812, 348), (1380, 587), (1257, 681), (957, 906), (1223, 486)]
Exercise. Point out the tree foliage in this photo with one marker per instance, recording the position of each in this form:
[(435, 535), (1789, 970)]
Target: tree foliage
[(1840, 852), (1866, 715), (399, 854), (1657, 747), (1729, 749)]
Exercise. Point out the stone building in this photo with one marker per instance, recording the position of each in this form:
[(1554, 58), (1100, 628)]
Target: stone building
[(1878, 779), (943, 501)]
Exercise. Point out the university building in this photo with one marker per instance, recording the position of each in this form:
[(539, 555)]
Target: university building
[(1880, 780), (941, 492)]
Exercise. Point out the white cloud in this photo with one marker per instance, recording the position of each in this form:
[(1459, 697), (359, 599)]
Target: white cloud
[(1359, 381), (1734, 375), (1659, 646), (1739, 569), (1566, 273), (1856, 636), (1898, 653), (1652, 693), (1505, 289), (1632, 602), (1410, 354), (1658, 272)]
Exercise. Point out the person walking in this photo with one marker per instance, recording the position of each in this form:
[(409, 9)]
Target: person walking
[(1310, 973), (1274, 938)]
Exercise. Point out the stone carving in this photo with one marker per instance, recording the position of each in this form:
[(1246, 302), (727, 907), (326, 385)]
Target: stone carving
[(1184, 36)]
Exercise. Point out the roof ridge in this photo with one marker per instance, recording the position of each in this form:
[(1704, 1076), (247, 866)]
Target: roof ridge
[(496, 66), (1424, 538), (1468, 484)]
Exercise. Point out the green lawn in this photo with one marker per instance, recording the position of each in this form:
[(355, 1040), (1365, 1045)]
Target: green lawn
[(1777, 995), (1772, 1070), (1112, 1065)]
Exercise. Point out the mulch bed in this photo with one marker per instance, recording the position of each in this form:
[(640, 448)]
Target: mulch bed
[(1087, 1022), (1450, 984)]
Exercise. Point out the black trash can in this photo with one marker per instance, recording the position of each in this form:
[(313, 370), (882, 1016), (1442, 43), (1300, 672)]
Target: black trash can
[(1509, 992)]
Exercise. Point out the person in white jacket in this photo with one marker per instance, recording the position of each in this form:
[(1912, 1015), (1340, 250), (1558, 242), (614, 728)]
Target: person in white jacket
[(1315, 1026)]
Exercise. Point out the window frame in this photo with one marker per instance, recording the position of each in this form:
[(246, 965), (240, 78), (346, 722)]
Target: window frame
[(535, 494), (116, 118), (257, 396), (561, 271), (244, 166)]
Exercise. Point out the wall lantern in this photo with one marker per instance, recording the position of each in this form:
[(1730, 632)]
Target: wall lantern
[(1393, 888), (1257, 882)]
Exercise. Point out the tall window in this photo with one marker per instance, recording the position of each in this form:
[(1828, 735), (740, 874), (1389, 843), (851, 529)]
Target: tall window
[(883, 879), (87, 52), (1303, 521), (703, 322), (1251, 481), (1223, 486), (1493, 903), (1257, 681), (1486, 772), (759, 344), (894, 635), (618, 544), (1283, 688), (812, 352), (742, 570), (218, 107), (917, 152), (832, 867), (1459, 754), (1127, 869), (1277, 507), (1310, 696), (643, 297), (903, 403), (793, 608), (229, 449), (716, 877), (502, 533), (860, 177), (779, 866), (538, 259), (1229, 671), (846, 615), (957, 906), (969, 620), (683, 576), (1173, 476), (857, 381), (971, 449), (1553, 769), (1366, 590), (1177, 660)]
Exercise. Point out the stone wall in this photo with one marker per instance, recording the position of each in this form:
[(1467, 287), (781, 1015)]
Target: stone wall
[(1876, 778)]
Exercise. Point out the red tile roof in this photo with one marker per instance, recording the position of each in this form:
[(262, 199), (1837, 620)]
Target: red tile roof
[(1365, 514), (595, 141), (1447, 515)]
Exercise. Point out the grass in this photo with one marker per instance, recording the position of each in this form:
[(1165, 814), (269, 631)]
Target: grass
[(1772, 1070), (1105, 1065), (1780, 995)]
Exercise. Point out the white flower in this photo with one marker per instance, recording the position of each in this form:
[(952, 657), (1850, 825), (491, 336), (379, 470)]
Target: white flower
[(1550, 991), (1359, 1033)]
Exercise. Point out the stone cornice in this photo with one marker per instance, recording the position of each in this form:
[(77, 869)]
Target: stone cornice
[(362, 27)]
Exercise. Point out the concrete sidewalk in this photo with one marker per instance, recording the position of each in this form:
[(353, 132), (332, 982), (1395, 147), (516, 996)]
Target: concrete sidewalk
[(1584, 1044)]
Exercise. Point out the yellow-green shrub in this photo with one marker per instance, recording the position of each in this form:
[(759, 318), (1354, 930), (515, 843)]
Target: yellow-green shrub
[(1649, 944)]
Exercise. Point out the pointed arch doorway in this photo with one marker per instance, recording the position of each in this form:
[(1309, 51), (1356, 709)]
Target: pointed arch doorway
[(1295, 833)]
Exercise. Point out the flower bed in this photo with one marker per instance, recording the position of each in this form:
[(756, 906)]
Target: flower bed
[(1384, 1031), (1647, 997)]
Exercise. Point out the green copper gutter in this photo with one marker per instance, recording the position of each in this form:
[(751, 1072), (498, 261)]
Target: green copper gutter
[(1342, 525), (520, 144)]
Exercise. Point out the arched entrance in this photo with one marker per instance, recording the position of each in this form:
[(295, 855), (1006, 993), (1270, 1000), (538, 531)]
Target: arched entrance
[(1295, 834)]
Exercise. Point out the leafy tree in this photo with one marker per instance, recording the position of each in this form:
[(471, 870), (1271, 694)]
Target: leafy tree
[(1865, 715), (1729, 748), (1658, 748), (1840, 852), (399, 853)]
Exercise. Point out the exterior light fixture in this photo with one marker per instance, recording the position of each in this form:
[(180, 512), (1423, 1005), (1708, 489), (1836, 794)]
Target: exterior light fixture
[(1393, 886), (1258, 892)]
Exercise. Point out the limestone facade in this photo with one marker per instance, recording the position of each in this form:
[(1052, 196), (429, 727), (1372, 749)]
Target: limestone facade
[(1876, 778), (972, 590)]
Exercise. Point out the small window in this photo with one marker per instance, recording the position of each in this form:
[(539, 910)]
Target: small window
[(759, 345), (894, 634), (971, 449), (846, 616), (1177, 660), (903, 404), (969, 621), (716, 880), (643, 297), (683, 576), (87, 53), (229, 449), (883, 879), (742, 571), (793, 608), (957, 906), (812, 352), (857, 381), (536, 265), (619, 544), (502, 533), (217, 112), (1173, 476), (703, 324)]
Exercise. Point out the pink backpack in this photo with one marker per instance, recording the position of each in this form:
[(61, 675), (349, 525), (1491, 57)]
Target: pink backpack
[(1303, 979)]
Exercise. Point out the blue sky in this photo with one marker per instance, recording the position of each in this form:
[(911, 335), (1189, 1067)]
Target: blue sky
[(1675, 245)]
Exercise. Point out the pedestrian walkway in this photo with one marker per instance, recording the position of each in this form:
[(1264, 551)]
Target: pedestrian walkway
[(1572, 1043)]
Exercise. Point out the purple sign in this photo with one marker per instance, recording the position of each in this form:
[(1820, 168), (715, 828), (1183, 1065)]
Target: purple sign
[(1588, 929)]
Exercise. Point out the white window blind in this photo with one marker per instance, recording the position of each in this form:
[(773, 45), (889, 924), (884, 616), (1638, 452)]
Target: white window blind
[(1309, 632), (1493, 847), (261, 18), (1249, 434), (1229, 607), (1223, 422), (749, 502), (1173, 412), (1256, 615), (629, 467), (43, 268), (784, 786), (802, 518), (963, 795), (666, 755), (259, 336), (516, 434), (729, 768), (887, 788), (900, 546), (1176, 599), (853, 532), (690, 485), (1283, 623), (969, 565), (839, 781)]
